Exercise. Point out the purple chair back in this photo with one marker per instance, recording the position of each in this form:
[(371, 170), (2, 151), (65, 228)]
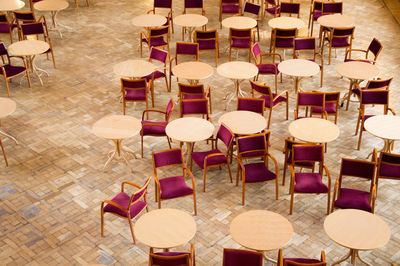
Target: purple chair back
[(24, 16), (305, 44), (158, 54), (169, 109), (133, 83), (194, 106), (332, 8), (250, 144), (375, 47), (256, 51), (159, 31), (272, 2), (308, 152), (262, 89), (338, 32), (379, 84), (332, 96), (238, 33), (163, 3), (167, 158), (357, 168), (3, 18), (286, 33), (251, 8), (310, 99), (389, 165), (3, 49), (32, 28), (317, 5), (187, 48), (190, 89), (212, 34), (170, 259), (251, 104), (240, 257), (193, 3), (374, 97), (225, 135), (290, 8)]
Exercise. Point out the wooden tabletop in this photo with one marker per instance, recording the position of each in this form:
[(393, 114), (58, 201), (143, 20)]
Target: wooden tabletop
[(357, 70), (189, 129), (165, 228), (237, 70), (243, 122), (10, 5), (313, 129), (336, 21), (357, 229), (134, 68), (384, 126), (28, 48), (261, 230), (299, 67), (190, 20), (239, 22), (117, 127), (193, 70), (51, 5), (149, 20), (286, 23), (7, 107)]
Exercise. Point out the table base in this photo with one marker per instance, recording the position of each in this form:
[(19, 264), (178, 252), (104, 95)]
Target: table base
[(56, 24), (229, 97), (353, 254), (35, 69), (8, 136), (119, 153)]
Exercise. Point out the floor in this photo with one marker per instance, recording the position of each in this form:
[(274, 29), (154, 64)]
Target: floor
[(51, 192)]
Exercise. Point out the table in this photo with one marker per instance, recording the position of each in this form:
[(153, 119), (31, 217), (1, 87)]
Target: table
[(165, 228), (261, 230), (239, 22), (356, 230), (189, 22), (134, 68), (237, 71), (386, 127), (243, 122), (52, 6), (314, 130), (286, 23), (193, 71), (336, 21), (117, 128), (299, 69), (356, 72), (148, 21), (30, 49), (11, 5), (189, 130), (7, 107)]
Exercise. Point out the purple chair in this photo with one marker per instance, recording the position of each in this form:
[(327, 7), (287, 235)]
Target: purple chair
[(126, 206), (253, 10), (242, 257), (255, 147), (156, 128), (135, 90), (22, 17), (272, 7), (352, 198), (251, 104), (155, 37), (195, 107), (160, 56), (240, 39), (375, 48), (283, 39), (215, 157), (172, 258), (290, 8), (186, 49), (302, 182), (231, 7), (188, 91), (309, 100), (208, 41), (271, 100), (332, 104), (173, 186), (338, 38), (194, 4), (329, 8), (7, 27), (164, 4), (382, 84), (388, 167), (300, 261), (315, 13)]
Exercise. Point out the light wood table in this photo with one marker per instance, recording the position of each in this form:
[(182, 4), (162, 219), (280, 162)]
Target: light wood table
[(52, 6), (386, 127), (314, 130), (356, 72), (7, 107), (237, 71), (261, 230), (298, 69), (356, 230), (243, 122), (11, 5), (336, 21), (149, 21), (30, 49), (165, 228), (193, 71), (117, 128), (189, 22), (286, 23), (239, 22), (134, 68)]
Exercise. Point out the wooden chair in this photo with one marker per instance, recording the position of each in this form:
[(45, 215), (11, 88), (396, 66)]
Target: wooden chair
[(253, 10), (156, 37), (170, 258), (162, 57), (194, 4), (272, 7), (256, 105), (240, 39), (135, 90), (7, 27), (315, 13), (338, 38), (332, 104), (230, 7), (309, 100), (241, 257), (186, 49), (188, 91), (283, 39), (388, 167), (289, 8), (300, 261), (195, 107), (374, 48), (208, 41), (164, 4)]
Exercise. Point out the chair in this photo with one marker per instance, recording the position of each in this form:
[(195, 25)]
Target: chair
[(315, 13), (272, 7), (251, 104), (371, 98), (309, 44), (388, 167), (270, 97), (375, 48), (208, 41), (7, 27), (309, 100), (329, 8), (289, 8), (195, 107), (332, 104), (126, 206), (186, 49), (188, 91), (231, 7), (241, 257), (9, 71), (156, 37), (354, 198), (194, 4), (283, 38), (240, 39), (300, 261), (22, 17), (215, 157), (255, 147), (338, 38), (164, 4), (160, 56), (172, 258), (382, 84), (265, 68), (135, 90), (156, 128), (173, 186), (309, 182), (254, 11)]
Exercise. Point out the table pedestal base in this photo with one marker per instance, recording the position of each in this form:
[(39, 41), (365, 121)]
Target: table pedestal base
[(119, 153), (56, 24), (353, 254), (9, 136), (35, 69), (229, 97)]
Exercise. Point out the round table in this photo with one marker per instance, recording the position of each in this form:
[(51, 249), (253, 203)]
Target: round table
[(117, 128), (243, 122), (356, 72), (356, 230), (30, 49), (261, 230), (52, 6), (193, 71), (165, 228), (7, 107), (189, 22), (298, 68), (239, 22), (336, 21), (314, 130), (386, 127), (11, 5), (149, 20), (286, 23), (237, 71), (134, 68)]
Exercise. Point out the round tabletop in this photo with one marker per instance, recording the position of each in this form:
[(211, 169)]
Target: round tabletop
[(384, 126), (313, 129), (336, 21), (286, 23), (299, 67), (237, 70), (116, 127), (10, 5), (165, 228), (28, 48), (190, 20), (149, 20), (134, 68), (357, 70), (189, 129), (7, 107), (51, 5), (357, 229), (261, 230), (239, 22), (193, 70), (243, 122)]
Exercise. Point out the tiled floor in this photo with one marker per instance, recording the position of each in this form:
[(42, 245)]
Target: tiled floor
[(51, 192)]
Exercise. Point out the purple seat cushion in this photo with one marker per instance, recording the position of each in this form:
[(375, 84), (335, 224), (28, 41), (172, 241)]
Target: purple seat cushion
[(277, 100), (12, 70), (206, 44), (258, 172), (357, 91), (174, 186), (301, 260), (230, 9), (271, 10), (157, 41), (123, 199), (157, 75), (241, 43), (309, 183), (329, 108), (340, 42), (135, 95), (353, 199), (4, 27), (268, 69), (153, 129), (199, 157), (284, 42), (317, 14)]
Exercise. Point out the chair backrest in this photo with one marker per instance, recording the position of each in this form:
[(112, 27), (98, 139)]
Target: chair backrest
[(159, 31), (272, 2), (240, 33), (375, 47), (162, 4), (286, 33), (167, 158), (168, 111), (255, 144), (342, 32), (188, 89), (24, 16), (169, 259), (374, 97), (256, 52), (388, 165), (307, 153), (307, 43), (158, 55), (287, 149), (194, 107), (310, 99), (193, 4), (290, 8), (187, 48), (225, 135), (251, 8), (251, 104), (133, 84), (240, 257), (331, 97), (284, 38), (357, 168), (139, 194), (332, 8), (207, 40), (3, 18), (3, 49), (301, 261), (33, 29), (262, 89), (317, 6), (379, 84)]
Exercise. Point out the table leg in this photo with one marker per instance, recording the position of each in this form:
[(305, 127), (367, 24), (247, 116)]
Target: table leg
[(35, 69), (118, 153), (8, 136), (268, 258), (388, 145), (350, 253), (54, 22), (358, 256), (236, 92), (296, 83)]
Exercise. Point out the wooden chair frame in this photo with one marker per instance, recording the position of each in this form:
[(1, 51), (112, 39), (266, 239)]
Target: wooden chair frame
[(239, 4), (330, 37), (337, 105), (189, 257), (147, 35), (175, 58), (216, 43), (251, 99), (379, 164), (292, 263), (251, 37), (164, 68), (309, 107), (206, 93), (196, 100), (169, 16), (348, 54), (147, 89), (4, 19), (274, 36)]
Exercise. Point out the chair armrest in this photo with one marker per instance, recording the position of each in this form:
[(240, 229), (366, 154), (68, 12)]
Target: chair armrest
[(295, 114), (292, 179), (392, 111), (354, 49), (328, 174), (114, 204), (212, 155), (280, 94), (321, 57), (151, 10), (129, 183), (272, 54), (275, 163), (152, 110), (187, 171)]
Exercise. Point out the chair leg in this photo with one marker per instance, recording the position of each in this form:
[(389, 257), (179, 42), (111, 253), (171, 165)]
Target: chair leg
[(52, 56), (276, 187), (4, 152), (141, 144), (230, 53), (284, 173), (166, 82), (243, 192), (276, 83), (8, 89), (156, 192), (102, 219), (291, 197), (287, 109), (204, 179), (269, 117), (194, 202), (229, 171), (329, 201), (131, 227), (169, 142), (359, 139)]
